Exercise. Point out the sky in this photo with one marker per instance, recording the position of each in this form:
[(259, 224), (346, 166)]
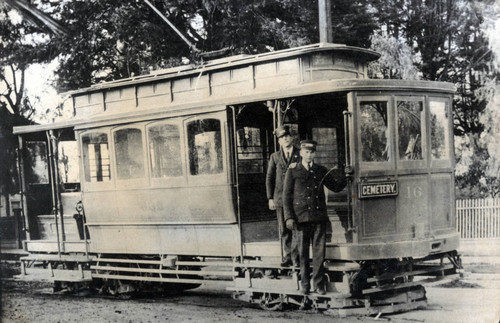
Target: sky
[(39, 85)]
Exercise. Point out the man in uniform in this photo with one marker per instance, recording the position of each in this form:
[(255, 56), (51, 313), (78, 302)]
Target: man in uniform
[(305, 211), (276, 170)]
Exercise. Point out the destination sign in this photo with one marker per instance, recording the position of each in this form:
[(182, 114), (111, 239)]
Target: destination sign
[(378, 189)]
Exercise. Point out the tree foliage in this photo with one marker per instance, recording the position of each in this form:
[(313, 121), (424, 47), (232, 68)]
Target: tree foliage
[(448, 43), (21, 44), (105, 40)]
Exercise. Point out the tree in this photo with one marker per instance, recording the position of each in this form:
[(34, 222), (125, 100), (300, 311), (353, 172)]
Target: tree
[(449, 44), (105, 40), (21, 44), (110, 40)]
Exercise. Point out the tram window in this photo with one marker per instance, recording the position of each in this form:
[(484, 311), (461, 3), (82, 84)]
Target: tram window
[(327, 149), (129, 153), (68, 165), (374, 132), (410, 117), (250, 151), (205, 147), (37, 163), (439, 130), (165, 151), (96, 157)]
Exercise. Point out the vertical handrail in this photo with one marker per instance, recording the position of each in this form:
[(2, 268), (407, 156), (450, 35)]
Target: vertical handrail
[(348, 170), (79, 205), (23, 187), (53, 190), (236, 180), (60, 210)]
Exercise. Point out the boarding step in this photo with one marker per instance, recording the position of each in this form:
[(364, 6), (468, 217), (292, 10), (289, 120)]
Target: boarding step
[(420, 270), (57, 258), (55, 267)]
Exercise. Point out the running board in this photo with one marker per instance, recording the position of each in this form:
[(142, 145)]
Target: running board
[(52, 268)]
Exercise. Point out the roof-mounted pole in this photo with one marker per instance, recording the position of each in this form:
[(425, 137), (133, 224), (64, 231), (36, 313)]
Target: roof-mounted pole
[(191, 45), (325, 21)]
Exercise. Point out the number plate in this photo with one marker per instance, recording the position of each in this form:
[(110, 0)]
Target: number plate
[(378, 189)]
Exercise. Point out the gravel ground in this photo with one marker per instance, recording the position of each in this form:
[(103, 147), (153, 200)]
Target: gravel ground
[(474, 299)]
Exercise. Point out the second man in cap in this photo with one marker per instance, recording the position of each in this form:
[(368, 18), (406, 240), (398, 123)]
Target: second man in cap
[(276, 170)]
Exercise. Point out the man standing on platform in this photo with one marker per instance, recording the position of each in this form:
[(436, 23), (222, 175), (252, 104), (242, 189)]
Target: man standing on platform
[(305, 211), (276, 170)]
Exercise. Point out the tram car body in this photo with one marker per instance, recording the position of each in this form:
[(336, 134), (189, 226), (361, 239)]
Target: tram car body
[(172, 180)]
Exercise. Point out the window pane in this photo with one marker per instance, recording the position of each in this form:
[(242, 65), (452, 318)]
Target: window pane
[(410, 117), (165, 150), (37, 163), (69, 166), (250, 151), (327, 150), (205, 147), (129, 154), (439, 130), (374, 132), (96, 157)]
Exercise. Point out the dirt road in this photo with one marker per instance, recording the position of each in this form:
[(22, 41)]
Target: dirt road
[(477, 299)]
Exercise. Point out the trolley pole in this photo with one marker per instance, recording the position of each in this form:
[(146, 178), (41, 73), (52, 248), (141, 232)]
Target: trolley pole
[(325, 21)]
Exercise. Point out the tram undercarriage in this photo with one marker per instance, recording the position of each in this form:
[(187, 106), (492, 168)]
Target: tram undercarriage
[(364, 288), (353, 288)]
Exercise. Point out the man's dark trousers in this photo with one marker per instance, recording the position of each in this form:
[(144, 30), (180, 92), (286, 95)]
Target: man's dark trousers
[(311, 233), (286, 238)]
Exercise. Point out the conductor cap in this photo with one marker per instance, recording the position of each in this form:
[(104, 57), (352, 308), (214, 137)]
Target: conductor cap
[(308, 145), (282, 131)]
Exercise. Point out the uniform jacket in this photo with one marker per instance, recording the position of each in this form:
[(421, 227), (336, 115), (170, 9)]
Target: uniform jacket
[(275, 176), (303, 192)]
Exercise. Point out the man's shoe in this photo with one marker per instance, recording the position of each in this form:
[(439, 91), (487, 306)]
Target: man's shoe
[(320, 291), (286, 263)]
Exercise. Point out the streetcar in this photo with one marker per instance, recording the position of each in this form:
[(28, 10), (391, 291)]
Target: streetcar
[(171, 189)]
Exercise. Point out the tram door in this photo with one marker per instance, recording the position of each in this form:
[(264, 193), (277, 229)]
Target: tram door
[(320, 118), (317, 117), (254, 144)]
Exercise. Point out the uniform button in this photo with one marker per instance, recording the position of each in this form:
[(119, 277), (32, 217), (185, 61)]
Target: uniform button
[(309, 208), (317, 197), (317, 207), (308, 188), (315, 187)]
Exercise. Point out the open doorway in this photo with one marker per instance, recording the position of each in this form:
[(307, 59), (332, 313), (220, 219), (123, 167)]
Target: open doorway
[(316, 117)]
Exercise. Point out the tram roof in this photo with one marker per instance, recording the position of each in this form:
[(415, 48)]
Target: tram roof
[(344, 85), (362, 54)]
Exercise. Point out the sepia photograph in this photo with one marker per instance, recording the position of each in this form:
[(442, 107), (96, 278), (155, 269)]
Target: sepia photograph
[(249, 161)]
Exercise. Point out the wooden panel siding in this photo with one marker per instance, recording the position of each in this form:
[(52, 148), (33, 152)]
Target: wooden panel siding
[(478, 218), (154, 95), (224, 79)]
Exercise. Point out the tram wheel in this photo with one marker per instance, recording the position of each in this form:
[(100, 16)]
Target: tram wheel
[(271, 302)]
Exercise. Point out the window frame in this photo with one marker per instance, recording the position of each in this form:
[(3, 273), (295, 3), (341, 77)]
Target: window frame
[(262, 132), (416, 163), (133, 182), (94, 186), (168, 181), (367, 166), (441, 163), (208, 179)]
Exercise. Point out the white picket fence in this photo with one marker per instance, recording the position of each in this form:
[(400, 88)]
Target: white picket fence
[(478, 218)]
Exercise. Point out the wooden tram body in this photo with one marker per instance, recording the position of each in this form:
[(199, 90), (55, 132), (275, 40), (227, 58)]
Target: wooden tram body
[(172, 179)]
